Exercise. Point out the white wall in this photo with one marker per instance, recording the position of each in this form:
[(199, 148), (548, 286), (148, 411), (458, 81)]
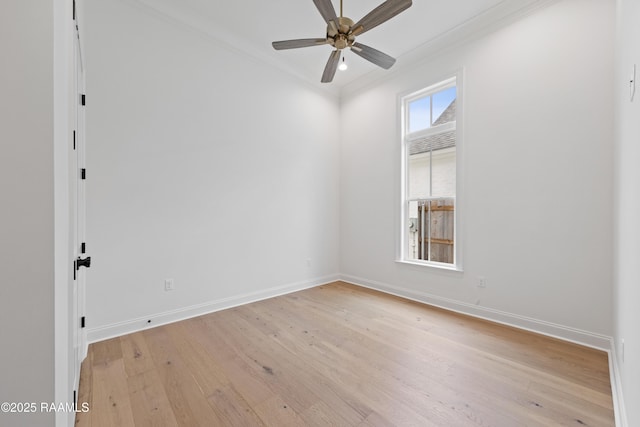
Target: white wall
[(627, 212), (537, 163), (27, 209), (204, 166)]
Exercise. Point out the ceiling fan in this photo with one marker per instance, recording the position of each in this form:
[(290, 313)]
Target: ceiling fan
[(342, 33)]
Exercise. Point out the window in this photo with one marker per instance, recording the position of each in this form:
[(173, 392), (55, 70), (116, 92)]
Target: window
[(430, 158)]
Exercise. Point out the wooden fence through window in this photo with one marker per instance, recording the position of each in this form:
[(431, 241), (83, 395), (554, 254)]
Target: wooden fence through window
[(435, 229)]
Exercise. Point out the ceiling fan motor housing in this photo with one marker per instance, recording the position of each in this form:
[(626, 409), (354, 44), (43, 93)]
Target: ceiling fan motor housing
[(338, 34)]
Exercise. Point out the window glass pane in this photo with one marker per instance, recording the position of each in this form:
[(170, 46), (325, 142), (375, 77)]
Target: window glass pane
[(431, 229), (419, 114), (413, 237), (443, 111), (443, 165), (442, 227), (419, 184)]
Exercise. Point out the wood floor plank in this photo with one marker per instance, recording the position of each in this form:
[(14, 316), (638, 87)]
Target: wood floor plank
[(232, 408), (85, 391), (374, 419), (276, 412), (295, 356), (343, 355), (224, 399), (111, 404), (207, 374), (106, 352), (189, 405), (150, 404), (563, 403), (135, 353), (261, 356), (250, 386)]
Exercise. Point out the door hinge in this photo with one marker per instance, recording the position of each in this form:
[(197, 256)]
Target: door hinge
[(74, 139), (83, 262), (83, 99), (82, 322), (83, 173), (75, 268), (74, 18), (83, 247)]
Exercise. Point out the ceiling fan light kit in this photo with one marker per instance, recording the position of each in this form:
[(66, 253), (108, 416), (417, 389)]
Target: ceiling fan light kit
[(342, 33), (343, 65)]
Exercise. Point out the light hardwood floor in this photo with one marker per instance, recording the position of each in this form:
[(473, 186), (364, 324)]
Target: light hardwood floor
[(340, 355)]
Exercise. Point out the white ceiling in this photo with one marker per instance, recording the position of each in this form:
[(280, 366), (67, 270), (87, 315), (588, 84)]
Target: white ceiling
[(251, 26)]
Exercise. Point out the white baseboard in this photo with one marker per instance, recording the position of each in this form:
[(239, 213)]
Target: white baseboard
[(616, 387), (134, 325), (600, 342)]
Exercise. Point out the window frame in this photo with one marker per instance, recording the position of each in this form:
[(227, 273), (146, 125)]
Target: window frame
[(405, 138)]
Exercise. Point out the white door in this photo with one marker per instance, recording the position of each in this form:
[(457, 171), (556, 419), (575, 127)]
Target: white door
[(78, 193)]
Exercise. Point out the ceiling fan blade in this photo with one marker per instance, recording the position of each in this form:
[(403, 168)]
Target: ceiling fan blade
[(294, 44), (325, 7), (373, 55), (380, 14), (331, 67)]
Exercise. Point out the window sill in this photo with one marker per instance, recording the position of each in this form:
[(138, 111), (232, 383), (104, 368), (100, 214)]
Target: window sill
[(435, 265)]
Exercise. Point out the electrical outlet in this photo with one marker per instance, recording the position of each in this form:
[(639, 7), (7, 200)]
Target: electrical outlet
[(168, 285), (482, 282)]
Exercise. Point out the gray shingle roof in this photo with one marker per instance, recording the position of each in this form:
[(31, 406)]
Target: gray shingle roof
[(438, 141), (448, 115)]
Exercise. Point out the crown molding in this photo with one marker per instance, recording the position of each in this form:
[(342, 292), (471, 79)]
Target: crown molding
[(171, 12), (486, 22)]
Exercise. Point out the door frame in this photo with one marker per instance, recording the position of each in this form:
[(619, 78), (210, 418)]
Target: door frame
[(64, 87), (78, 231)]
